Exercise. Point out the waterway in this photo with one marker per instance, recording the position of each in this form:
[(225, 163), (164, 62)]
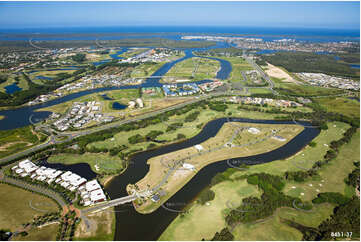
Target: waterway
[(118, 106), (10, 89), (131, 225), (20, 117)]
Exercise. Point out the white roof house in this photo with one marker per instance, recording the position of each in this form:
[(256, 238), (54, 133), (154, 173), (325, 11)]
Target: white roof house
[(28, 166), (64, 184), (188, 166), (198, 147), (73, 179), (140, 102), (254, 130), (97, 195), (18, 171), (92, 185)]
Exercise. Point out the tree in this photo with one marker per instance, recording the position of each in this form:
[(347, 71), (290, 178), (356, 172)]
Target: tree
[(78, 57)]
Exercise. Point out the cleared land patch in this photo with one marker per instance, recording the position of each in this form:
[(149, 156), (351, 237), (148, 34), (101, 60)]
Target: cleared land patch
[(279, 73), (193, 69), (102, 226), (12, 141), (19, 206)]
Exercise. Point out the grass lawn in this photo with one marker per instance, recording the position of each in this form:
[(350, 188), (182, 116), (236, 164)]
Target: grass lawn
[(46, 73), (12, 141), (201, 68), (259, 91), (197, 224), (146, 69), (312, 219), (104, 162), (268, 230), (305, 158), (306, 90), (46, 233), (133, 52), (23, 84), (16, 207), (342, 105), (332, 175)]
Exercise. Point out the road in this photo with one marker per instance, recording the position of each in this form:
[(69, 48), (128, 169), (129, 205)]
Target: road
[(19, 183), (111, 203), (263, 74)]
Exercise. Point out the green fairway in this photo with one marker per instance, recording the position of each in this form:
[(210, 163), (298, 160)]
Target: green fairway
[(305, 158), (21, 82), (99, 163), (342, 105), (197, 225), (332, 175), (47, 73)]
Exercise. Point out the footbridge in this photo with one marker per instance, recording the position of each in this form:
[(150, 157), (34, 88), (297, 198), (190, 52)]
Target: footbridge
[(111, 203)]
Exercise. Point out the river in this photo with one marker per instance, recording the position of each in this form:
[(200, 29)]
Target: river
[(131, 225), (20, 117)]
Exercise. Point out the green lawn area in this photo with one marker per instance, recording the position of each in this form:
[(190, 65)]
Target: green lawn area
[(23, 84), (12, 141), (342, 105), (104, 162), (259, 91), (303, 90), (201, 68), (267, 230), (47, 73), (46, 233), (16, 207), (203, 220), (146, 69), (306, 157), (133, 52), (331, 175)]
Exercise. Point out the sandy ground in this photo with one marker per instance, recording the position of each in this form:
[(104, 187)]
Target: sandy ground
[(279, 73), (100, 221)]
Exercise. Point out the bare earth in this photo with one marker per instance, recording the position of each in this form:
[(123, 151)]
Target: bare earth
[(279, 73)]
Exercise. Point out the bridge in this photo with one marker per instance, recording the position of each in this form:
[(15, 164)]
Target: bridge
[(108, 204), (144, 77)]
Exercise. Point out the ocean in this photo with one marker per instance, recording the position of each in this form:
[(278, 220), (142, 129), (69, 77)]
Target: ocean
[(174, 32)]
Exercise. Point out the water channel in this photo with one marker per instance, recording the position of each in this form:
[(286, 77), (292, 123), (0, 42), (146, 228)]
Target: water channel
[(26, 115), (131, 225)]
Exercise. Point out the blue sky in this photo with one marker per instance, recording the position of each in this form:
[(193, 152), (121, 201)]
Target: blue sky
[(343, 15)]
